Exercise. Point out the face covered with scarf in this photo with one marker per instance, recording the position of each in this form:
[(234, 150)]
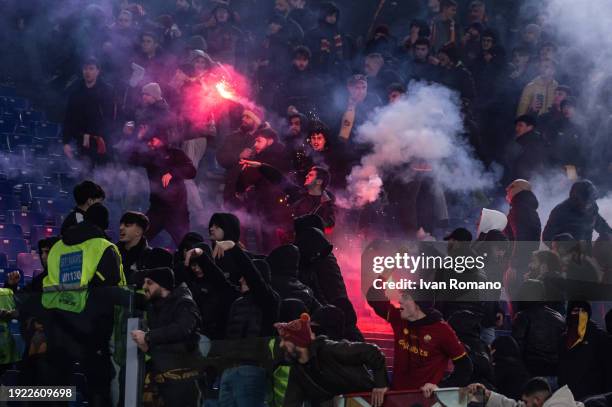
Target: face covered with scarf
[(577, 319)]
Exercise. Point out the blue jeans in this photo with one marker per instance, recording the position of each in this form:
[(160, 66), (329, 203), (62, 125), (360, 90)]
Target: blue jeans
[(243, 386)]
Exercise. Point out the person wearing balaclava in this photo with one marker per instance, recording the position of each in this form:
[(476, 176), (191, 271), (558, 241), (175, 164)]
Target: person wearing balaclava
[(534, 326), (578, 215), (423, 343), (171, 338), (585, 362)]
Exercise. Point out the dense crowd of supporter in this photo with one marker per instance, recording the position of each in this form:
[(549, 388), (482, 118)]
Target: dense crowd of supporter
[(267, 98)]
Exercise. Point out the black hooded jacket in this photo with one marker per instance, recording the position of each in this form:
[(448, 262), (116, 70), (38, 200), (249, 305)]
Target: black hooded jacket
[(214, 296), (174, 331), (231, 231), (523, 219), (284, 262), (510, 373), (318, 266), (133, 259), (571, 217), (254, 313)]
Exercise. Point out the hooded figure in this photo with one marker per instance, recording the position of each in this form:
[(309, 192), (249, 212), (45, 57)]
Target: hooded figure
[(509, 371), (585, 362), (230, 225), (578, 215), (284, 262), (319, 268), (328, 45)]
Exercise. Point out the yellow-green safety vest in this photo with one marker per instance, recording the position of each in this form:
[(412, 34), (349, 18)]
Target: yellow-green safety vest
[(280, 380), (8, 349), (70, 270)]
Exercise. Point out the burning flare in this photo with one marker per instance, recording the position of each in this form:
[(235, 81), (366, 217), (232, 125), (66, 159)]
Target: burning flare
[(224, 90)]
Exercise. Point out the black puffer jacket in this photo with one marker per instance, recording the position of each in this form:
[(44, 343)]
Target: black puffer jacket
[(133, 259), (174, 331), (523, 219), (253, 314), (509, 371), (338, 368), (231, 230), (536, 330), (284, 262), (318, 266)]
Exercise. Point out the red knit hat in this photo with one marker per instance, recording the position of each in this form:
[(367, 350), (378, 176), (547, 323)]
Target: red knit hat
[(297, 331)]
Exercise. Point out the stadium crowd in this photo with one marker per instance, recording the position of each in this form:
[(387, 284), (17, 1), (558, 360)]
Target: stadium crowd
[(252, 307)]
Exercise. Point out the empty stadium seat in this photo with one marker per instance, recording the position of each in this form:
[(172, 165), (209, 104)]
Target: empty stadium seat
[(15, 140), (3, 261), (28, 263), (10, 231), (32, 191), (9, 202), (26, 219), (8, 91), (42, 232), (28, 117), (47, 130), (12, 247), (7, 124), (15, 103)]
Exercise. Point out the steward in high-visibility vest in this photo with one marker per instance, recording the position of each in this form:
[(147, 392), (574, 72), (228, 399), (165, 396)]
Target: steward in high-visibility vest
[(8, 349), (79, 296)]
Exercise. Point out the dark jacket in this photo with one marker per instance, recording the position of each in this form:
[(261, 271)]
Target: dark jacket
[(174, 331), (284, 262), (214, 296), (228, 155), (262, 196), (523, 219), (534, 330), (254, 313), (300, 201), (89, 110), (319, 268), (527, 156), (134, 258), (567, 217), (231, 228), (75, 216), (160, 120), (338, 368), (587, 367), (159, 162), (510, 373)]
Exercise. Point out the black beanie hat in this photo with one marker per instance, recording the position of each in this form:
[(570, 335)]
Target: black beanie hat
[(190, 240), (135, 218), (97, 214), (291, 309), (164, 276), (158, 258)]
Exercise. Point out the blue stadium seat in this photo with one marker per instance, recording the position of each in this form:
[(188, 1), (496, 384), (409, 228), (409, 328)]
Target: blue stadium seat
[(3, 261), (51, 207), (47, 130), (15, 140), (29, 117), (32, 191), (15, 103), (42, 232), (9, 202), (7, 124), (8, 91), (26, 219), (11, 231), (12, 247)]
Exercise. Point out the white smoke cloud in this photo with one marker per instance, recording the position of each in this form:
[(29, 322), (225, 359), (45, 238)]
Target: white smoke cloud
[(426, 125)]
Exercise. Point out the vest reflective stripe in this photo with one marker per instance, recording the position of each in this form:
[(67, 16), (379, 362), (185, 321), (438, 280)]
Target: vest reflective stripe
[(71, 269), (280, 380), (8, 349)]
